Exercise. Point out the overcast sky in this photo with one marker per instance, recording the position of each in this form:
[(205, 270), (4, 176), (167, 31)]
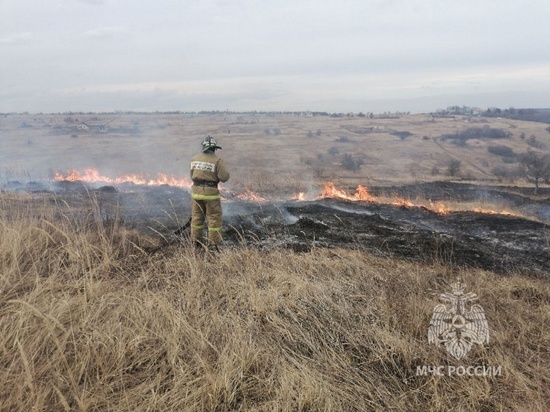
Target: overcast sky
[(339, 55)]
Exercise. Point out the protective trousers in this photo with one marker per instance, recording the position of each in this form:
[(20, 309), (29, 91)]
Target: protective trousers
[(210, 210)]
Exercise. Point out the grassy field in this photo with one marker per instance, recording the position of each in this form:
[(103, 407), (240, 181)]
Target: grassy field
[(92, 319), (265, 153), (96, 317)]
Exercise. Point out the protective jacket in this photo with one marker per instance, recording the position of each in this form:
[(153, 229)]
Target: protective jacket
[(207, 170)]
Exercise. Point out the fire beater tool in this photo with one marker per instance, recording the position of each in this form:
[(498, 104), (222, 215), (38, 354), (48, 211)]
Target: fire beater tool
[(182, 229)]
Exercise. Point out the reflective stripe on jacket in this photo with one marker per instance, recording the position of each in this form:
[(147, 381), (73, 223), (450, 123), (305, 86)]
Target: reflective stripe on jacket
[(207, 167)]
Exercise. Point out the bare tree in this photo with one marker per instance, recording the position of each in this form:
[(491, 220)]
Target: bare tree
[(319, 168), (454, 167), (349, 163), (318, 165), (536, 167), (333, 151)]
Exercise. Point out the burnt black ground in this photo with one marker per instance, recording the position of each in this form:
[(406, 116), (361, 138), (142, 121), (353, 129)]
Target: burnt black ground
[(504, 244), (518, 198)]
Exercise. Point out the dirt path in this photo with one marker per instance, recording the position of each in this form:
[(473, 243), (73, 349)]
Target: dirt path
[(479, 169)]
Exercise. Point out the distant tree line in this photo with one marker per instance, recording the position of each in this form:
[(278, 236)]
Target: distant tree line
[(451, 111), (460, 138), (532, 115), (501, 150), (370, 115)]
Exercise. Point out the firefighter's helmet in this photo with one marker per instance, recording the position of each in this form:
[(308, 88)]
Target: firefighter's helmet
[(209, 143)]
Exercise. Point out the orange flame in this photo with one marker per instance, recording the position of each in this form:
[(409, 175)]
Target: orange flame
[(249, 195), (439, 208), (362, 195), (493, 212), (403, 202), (93, 176)]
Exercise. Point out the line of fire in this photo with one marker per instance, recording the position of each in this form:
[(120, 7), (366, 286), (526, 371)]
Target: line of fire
[(329, 191)]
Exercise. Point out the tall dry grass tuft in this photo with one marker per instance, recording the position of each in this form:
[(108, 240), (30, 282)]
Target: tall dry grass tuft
[(90, 321)]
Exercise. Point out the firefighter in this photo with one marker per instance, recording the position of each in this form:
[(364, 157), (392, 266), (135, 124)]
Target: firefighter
[(207, 170)]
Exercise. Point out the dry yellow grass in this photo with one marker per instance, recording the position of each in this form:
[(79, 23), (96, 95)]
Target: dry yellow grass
[(91, 321), (167, 142)]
